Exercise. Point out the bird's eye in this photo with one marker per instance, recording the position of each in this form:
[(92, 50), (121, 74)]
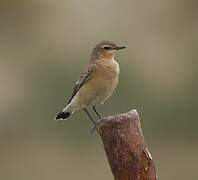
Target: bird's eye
[(108, 48)]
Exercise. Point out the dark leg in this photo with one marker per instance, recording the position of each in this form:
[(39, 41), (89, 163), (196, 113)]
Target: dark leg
[(94, 108), (89, 116)]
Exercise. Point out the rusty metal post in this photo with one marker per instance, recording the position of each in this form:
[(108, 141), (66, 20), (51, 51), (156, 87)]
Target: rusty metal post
[(125, 147)]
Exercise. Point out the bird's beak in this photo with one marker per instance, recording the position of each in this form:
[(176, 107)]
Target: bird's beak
[(119, 47)]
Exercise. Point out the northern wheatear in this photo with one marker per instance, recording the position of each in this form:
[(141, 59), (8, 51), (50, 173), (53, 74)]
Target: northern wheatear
[(97, 82)]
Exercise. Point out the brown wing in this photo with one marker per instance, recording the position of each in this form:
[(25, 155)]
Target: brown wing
[(85, 76)]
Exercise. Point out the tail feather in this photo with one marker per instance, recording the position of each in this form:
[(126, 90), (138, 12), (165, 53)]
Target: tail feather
[(66, 112), (62, 115)]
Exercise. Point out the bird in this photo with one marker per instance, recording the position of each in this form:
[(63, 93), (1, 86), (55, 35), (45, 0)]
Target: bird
[(97, 81)]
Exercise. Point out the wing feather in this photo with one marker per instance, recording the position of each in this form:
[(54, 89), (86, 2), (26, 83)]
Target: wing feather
[(85, 76)]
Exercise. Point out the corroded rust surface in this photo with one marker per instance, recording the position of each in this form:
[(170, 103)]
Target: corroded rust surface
[(126, 150)]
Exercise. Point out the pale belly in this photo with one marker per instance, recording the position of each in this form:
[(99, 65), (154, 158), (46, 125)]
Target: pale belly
[(105, 93), (99, 88)]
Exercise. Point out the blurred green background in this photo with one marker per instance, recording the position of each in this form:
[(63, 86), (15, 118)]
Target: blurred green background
[(43, 46)]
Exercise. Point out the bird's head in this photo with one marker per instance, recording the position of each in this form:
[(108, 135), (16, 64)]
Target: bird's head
[(105, 49)]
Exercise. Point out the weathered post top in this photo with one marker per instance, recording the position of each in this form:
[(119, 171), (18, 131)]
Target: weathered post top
[(125, 147)]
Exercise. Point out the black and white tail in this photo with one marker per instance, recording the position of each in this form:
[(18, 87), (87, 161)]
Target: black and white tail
[(65, 113), (62, 115)]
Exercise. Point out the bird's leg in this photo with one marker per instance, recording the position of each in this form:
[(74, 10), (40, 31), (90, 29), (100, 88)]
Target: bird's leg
[(89, 116), (94, 108)]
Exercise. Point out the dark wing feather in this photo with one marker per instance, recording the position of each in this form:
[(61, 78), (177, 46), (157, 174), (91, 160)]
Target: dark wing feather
[(85, 76)]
